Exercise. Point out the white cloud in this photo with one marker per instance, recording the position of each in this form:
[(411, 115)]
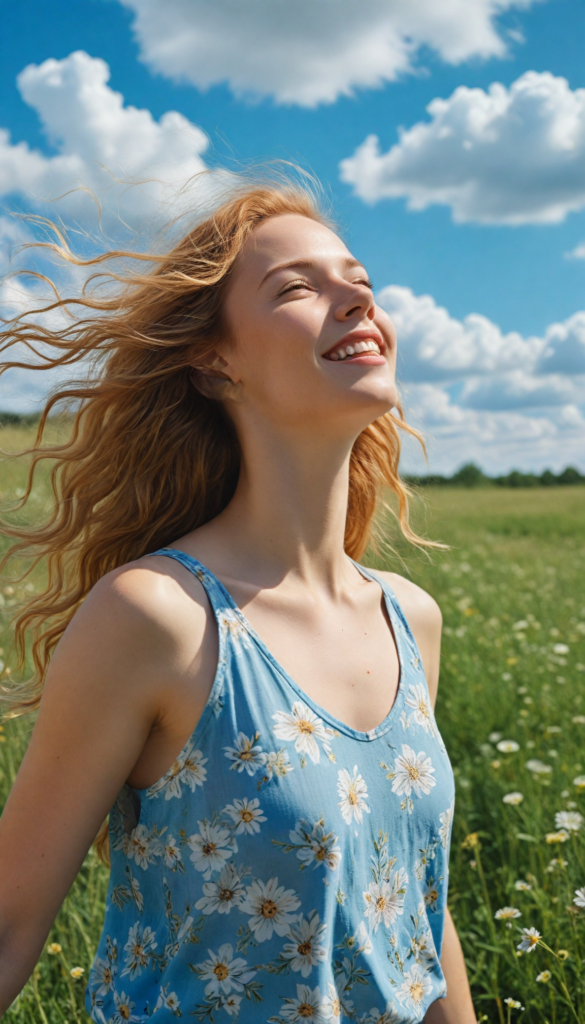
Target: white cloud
[(578, 253), (101, 145), (501, 400), (310, 51), (564, 348), (497, 441), (518, 390), (505, 156), (435, 346)]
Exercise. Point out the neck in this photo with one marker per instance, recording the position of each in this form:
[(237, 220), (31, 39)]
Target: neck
[(288, 514)]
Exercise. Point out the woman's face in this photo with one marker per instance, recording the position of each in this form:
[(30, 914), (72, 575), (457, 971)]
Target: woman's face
[(310, 348)]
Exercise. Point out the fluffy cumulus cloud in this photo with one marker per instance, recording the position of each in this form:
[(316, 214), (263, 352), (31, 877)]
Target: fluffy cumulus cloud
[(310, 51), (132, 163), (505, 156), (435, 346), (497, 441), (480, 394)]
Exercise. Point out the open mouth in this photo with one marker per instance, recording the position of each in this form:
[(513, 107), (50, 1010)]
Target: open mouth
[(367, 348)]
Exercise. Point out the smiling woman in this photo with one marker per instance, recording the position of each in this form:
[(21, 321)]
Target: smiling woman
[(228, 453)]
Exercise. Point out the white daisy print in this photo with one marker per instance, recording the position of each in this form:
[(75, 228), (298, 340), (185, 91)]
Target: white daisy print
[(334, 1005), (305, 949), (187, 770), (224, 973), (305, 728), (246, 754), (413, 773), (231, 1004), (211, 848), (271, 908), (363, 941), (172, 853), (423, 948), (353, 792), (385, 899), (124, 1007), (247, 814), (308, 1006), (314, 845), (103, 975), (168, 1001), (418, 700), (446, 819), (223, 893), (139, 949), (277, 764), (431, 894), (414, 989), (143, 846), (231, 625), (388, 1016)]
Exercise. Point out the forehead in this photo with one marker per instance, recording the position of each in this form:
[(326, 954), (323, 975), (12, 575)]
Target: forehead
[(289, 236)]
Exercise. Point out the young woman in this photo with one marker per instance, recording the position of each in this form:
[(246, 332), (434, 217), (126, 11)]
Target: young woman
[(252, 707)]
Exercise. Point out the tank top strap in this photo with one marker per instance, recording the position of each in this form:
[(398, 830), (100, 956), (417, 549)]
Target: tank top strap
[(219, 597), (399, 621)]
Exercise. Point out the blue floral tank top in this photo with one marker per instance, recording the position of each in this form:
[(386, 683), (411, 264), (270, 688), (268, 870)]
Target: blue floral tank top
[(287, 868)]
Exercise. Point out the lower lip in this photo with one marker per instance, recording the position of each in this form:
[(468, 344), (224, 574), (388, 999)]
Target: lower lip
[(361, 359)]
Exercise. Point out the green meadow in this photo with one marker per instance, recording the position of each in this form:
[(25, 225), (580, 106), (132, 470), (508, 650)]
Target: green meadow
[(511, 709)]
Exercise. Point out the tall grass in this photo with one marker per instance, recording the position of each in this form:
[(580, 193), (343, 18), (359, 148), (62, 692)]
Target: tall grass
[(512, 591)]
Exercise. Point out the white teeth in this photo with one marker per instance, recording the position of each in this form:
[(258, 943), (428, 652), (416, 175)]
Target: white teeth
[(357, 349)]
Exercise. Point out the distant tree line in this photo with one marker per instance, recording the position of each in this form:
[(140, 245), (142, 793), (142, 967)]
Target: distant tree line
[(471, 475), (17, 419)]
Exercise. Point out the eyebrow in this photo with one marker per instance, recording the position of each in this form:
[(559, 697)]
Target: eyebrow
[(348, 262)]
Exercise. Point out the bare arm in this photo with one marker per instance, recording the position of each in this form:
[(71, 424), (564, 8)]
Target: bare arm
[(457, 1008), (425, 619), (103, 695)]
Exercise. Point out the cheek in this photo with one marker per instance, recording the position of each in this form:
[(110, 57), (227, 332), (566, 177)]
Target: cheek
[(279, 348)]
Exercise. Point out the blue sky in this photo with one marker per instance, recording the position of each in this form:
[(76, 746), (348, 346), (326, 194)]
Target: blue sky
[(476, 247)]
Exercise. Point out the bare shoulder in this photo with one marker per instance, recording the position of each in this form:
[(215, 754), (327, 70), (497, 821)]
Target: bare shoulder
[(151, 593), (136, 621)]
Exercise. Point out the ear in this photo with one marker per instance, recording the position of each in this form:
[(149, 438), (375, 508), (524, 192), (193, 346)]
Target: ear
[(212, 380)]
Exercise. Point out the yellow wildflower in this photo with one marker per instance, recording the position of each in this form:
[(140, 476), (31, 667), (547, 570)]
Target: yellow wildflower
[(471, 841)]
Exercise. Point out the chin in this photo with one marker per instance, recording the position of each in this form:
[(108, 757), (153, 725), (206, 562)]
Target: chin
[(379, 397)]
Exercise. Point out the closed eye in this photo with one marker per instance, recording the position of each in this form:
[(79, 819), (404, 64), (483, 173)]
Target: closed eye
[(293, 285)]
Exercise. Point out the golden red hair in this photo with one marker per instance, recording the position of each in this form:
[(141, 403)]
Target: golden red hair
[(148, 458)]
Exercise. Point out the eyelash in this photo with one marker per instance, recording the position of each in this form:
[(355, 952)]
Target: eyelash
[(304, 284)]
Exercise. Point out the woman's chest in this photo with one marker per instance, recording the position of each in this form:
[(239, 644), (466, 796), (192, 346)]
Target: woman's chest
[(273, 779)]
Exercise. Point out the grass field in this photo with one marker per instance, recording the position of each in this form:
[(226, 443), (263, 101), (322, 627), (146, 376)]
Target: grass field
[(512, 712)]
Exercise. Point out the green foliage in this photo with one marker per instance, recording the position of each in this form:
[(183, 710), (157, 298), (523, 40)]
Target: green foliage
[(512, 592), (471, 475)]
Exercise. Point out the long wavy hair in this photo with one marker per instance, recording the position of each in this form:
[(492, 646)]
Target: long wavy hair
[(147, 457)]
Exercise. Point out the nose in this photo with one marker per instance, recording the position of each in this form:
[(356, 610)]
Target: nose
[(357, 300)]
